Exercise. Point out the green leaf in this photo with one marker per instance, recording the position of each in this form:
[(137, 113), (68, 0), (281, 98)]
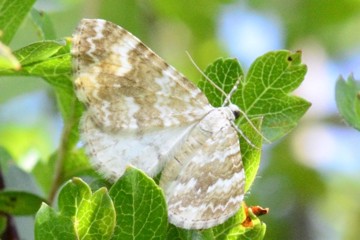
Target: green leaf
[(348, 100), (71, 195), (19, 202), (37, 52), (250, 155), (83, 215), (264, 93), (12, 13), (96, 216), (51, 225), (224, 73), (140, 207), (43, 23), (46, 59), (54, 66)]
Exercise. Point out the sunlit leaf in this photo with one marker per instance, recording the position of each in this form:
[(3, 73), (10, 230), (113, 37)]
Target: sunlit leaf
[(82, 214), (140, 207)]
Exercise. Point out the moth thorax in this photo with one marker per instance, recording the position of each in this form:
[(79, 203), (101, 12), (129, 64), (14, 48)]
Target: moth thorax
[(235, 110)]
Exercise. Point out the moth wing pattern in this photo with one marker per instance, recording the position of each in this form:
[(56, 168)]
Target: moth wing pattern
[(111, 154), (131, 95), (125, 85), (204, 180)]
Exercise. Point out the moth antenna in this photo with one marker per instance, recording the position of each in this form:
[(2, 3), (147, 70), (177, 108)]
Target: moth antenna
[(243, 135), (253, 126), (233, 90), (227, 101), (206, 77)]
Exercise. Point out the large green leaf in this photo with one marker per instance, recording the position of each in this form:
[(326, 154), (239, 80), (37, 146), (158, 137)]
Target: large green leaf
[(51, 225), (82, 214), (264, 91), (140, 207)]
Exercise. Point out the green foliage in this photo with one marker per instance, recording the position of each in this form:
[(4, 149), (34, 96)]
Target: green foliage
[(82, 214), (140, 207), (224, 73), (139, 203), (251, 154), (264, 91), (135, 206), (348, 100), (46, 59), (12, 13)]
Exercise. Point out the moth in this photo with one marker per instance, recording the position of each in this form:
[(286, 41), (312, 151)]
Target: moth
[(142, 112)]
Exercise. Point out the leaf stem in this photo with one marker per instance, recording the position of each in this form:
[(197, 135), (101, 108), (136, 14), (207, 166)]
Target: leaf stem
[(63, 151)]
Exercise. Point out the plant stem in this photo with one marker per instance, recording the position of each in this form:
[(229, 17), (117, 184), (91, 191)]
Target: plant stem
[(64, 149)]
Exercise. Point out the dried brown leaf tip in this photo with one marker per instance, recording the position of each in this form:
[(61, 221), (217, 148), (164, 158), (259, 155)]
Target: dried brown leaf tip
[(251, 212)]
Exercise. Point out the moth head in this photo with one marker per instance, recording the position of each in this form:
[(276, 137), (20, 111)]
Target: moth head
[(235, 110)]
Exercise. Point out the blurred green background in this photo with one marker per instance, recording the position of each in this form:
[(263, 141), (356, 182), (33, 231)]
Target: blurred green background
[(310, 179)]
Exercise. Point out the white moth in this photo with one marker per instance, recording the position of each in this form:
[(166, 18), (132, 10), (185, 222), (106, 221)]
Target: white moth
[(144, 113)]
